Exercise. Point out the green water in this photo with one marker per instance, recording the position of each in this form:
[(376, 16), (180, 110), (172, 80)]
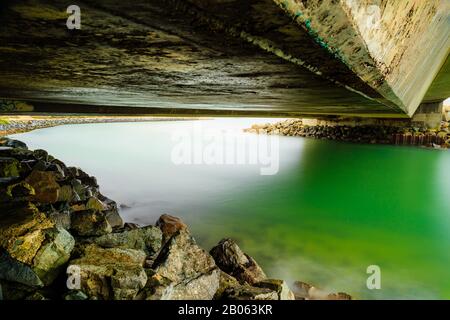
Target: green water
[(332, 209)]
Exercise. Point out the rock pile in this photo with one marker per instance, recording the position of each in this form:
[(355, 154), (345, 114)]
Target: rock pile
[(60, 238), (17, 125), (373, 134)]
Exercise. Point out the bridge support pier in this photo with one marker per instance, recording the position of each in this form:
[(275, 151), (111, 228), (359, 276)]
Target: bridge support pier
[(429, 115)]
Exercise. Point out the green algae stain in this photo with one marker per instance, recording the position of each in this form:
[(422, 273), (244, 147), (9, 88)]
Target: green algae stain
[(321, 41)]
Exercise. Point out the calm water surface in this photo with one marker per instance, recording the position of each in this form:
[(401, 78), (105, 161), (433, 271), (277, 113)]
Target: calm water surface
[(332, 210)]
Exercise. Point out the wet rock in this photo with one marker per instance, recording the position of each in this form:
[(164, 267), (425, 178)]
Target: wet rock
[(6, 142), (60, 219), (95, 204), (200, 288), (15, 271), (83, 177), (279, 286), (203, 287), (42, 155), (45, 186), (225, 282), (22, 230), (181, 258), (147, 239), (58, 170), (9, 168), (73, 171), (247, 292), (65, 194), (87, 179), (230, 258), (79, 189), (34, 249), (40, 166), (110, 273), (53, 254), (114, 219), (169, 225), (183, 271), (78, 207), (90, 223), (17, 192)]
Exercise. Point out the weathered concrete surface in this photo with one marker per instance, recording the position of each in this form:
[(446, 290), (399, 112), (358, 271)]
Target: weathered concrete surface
[(397, 47), (253, 57), (429, 114)]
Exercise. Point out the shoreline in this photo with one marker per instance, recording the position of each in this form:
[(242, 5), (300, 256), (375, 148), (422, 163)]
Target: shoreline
[(404, 135), (20, 124), (62, 239)]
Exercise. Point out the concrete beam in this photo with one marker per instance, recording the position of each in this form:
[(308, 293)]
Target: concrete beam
[(396, 47), (429, 115)]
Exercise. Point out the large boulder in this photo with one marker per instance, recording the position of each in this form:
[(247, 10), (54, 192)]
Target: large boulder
[(53, 254), (110, 273), (111, 212), (9, 167), (230, 258), (113, 217), (34, 250), (80, 190), (226, 282), (23, 230), (83, 177), (60, 218), (170, 225), (45, 186), (7, 142), (147, 239), (66, 194), (18, 272), (90, 223), (183, 270), (95, 204)]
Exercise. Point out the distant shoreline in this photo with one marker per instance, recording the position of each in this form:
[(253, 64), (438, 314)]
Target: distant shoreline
[(20, 124)]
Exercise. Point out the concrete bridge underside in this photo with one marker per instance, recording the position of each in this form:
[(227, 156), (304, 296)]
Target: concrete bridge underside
[(377, 58)]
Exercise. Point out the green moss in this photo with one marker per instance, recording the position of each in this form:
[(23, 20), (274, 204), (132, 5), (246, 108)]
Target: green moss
[(3, 121), (9, 167)]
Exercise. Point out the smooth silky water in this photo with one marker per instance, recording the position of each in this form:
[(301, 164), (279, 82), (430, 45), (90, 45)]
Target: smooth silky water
[(332, 210)]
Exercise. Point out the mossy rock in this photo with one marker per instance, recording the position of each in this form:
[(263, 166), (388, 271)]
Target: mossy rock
[(9, 167)]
